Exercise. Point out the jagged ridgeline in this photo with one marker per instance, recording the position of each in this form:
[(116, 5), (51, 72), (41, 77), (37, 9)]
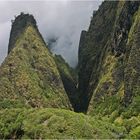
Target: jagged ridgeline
[(30, 82), (107, 87), (29, 76), (109, 60)]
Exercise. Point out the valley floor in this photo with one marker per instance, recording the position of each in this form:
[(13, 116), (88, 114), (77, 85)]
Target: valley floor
[(59, 123)]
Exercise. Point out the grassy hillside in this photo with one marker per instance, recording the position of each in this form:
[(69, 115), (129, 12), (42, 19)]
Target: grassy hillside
[(109, 63), (29, 75)]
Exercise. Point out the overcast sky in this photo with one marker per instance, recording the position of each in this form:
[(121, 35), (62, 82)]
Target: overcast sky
[(61, 19)]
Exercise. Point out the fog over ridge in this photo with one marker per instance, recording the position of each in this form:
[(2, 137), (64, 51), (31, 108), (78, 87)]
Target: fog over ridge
[(61, 20)]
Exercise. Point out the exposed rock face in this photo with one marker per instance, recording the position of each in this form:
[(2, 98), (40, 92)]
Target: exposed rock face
[(132, 64), (93, 49), (18, 26), (29, 75), (122, 26), (108, 86), (108, 75)]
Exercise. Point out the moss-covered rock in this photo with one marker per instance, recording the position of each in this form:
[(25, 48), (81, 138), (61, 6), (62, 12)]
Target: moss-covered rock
[(109, 60), (108, 86), (29, 75), (92, 50)]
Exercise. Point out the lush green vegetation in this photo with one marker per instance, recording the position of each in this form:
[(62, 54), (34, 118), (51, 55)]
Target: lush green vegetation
[(29, 75), (109, 60), (109, 63), (33, 83), (54, 123)]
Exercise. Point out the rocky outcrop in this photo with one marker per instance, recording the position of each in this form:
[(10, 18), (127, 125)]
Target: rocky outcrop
[(19, 24), (33, 82), (123, 24)]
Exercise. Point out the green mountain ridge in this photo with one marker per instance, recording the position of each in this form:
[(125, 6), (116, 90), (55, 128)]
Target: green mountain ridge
[(109, 80), (103, 58), (29, 75), (39, 91)]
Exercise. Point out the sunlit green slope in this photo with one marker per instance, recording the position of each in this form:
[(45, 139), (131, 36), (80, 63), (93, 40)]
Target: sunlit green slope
[(29, 76)]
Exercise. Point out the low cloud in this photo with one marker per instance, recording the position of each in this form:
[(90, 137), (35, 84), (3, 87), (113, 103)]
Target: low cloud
[(60, 20)]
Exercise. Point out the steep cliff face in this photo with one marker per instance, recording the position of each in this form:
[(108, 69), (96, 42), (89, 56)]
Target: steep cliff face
[(132, 66), (29, 75), (34, 82), (109, 60), (69, 78), (92, 49)]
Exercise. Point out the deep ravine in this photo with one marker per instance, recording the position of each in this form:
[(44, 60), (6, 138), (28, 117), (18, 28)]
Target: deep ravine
[(40, 93)]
